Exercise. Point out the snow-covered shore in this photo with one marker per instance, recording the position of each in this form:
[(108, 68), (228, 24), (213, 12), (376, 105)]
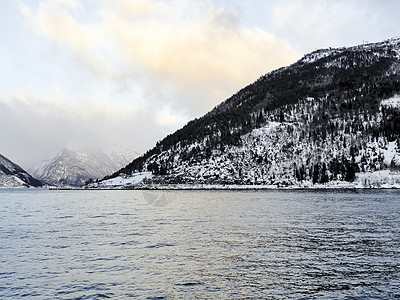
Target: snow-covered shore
[(373, 180)]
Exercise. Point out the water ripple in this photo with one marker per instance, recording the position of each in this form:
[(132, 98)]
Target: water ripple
[(204, 245)]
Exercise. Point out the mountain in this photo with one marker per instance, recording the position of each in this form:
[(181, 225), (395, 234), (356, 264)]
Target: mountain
[(12, 175), (74, 167), (330, 118)]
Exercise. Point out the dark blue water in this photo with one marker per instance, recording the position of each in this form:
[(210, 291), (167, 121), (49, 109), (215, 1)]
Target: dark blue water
[(199, 245)]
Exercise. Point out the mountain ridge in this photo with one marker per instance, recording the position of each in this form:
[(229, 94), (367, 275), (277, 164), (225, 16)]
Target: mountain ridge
[(326, 114)]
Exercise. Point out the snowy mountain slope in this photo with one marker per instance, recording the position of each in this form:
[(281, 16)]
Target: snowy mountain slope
[(73, 167), (12, 175), (122, 181), (331, 117)]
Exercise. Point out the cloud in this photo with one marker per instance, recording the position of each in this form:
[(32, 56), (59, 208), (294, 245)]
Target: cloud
[(34, 127), (191, 55), (56, 20), (128, 72), (311, 24)]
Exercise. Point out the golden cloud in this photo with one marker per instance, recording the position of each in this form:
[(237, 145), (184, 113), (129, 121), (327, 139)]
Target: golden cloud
[(180, 48)]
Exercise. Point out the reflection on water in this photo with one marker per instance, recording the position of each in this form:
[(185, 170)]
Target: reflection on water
[(203, 244)]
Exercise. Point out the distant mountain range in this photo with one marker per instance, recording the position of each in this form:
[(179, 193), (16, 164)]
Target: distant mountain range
[(331, 118), (13, 176), (75, 167)]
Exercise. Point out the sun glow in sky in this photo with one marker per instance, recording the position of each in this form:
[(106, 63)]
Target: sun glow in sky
[(129, 72)]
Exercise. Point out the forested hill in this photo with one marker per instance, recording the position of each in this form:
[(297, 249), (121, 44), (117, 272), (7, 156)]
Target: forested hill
[(332, 116)]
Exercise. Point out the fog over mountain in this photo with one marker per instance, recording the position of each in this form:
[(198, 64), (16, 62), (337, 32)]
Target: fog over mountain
[(73, 166)]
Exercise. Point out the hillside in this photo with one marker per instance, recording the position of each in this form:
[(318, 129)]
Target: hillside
[(333, 116), (13, 176)]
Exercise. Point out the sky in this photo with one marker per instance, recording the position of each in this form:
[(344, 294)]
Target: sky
[(129, 72)]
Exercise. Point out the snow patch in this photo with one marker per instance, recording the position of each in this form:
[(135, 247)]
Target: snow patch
[(267, 129), (122, 181), (319, 54), (392, 102), (378, 179), (11, 181), (389, 153)]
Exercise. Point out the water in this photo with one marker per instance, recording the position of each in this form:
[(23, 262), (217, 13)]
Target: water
[(199, 245)]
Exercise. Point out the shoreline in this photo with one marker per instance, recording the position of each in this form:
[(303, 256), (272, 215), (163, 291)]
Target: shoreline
[(383, 179), (235, 188)]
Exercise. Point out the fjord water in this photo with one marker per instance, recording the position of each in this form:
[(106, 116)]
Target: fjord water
[(199, 244)]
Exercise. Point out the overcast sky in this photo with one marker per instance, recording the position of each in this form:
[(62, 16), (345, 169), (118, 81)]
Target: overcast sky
[(129, 72)]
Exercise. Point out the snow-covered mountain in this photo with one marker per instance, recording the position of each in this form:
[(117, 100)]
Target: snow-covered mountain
[(74, 167), (13, 176), (332, 117)]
